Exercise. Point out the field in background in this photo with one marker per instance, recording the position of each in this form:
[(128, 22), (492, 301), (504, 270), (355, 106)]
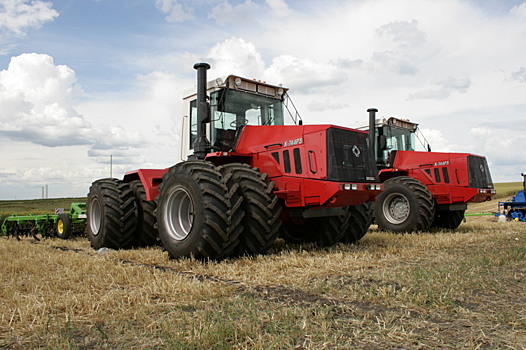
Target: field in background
[(36, 206), (508, 189), (463, 289), (504, 192)]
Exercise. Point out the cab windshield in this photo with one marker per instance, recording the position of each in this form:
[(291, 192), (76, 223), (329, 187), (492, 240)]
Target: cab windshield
[(232, 109), (397, 140)]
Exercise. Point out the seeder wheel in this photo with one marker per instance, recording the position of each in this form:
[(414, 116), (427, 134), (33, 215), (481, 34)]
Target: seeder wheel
[(63, 226)]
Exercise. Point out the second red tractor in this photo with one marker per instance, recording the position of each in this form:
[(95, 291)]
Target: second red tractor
[(424, 190)]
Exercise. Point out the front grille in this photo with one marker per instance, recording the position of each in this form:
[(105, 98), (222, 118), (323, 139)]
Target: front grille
[(479, 175), (347, 157)]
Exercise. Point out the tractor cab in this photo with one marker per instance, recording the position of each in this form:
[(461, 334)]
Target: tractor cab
[(234, 103), (393, 134)]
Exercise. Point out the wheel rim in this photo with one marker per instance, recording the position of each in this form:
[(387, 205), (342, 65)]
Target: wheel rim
[(60, 227), (396, 208), (178, 215), (95, 216)]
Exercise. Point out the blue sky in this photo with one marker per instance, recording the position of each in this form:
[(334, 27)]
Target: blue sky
[(81, 80)]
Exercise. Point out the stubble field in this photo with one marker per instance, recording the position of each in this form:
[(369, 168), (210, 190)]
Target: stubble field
[(454, 290)]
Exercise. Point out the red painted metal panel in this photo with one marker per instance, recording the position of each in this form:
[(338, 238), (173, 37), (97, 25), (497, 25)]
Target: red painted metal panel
[(306, 185), (425, 166), (150, 178)]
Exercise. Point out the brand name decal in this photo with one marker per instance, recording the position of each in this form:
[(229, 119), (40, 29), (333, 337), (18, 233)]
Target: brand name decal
[(446, 162), (293, 142)]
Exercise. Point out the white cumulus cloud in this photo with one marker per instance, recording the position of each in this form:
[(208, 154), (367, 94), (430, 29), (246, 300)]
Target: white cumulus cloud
[(519, 75), (175, 10), (236, 56), (444, 88), (305, 74), (38, 105), (279, 7), (225, 12), (16, 16), (37, 102)]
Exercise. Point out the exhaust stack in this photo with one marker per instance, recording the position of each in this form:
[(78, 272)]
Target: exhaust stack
[(202, 144), (372, 132)]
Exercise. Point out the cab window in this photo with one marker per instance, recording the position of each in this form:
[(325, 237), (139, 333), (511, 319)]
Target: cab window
[(232, 109)]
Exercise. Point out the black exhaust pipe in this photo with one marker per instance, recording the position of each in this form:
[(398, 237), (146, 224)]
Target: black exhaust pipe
[(372, 132), (202, 144)]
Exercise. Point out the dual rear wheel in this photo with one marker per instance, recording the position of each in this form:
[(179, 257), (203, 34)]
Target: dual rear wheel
[(197, 215), (112, 214), (214, 212)]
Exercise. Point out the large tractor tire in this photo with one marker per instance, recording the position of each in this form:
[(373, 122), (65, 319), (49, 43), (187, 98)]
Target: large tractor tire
[(360, 219), (405, 205), (146, 234), (260, 205), (294, 230), (64, 226), (112, 214), (324, 231), (448, 219), (194, 212)]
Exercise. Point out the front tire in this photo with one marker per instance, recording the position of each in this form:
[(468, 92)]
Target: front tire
[(194, 212), (405, 205), (112, 214)]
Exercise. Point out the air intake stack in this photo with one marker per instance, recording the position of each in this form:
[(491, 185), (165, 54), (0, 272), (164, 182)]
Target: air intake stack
[(202, 144), (372, 132)]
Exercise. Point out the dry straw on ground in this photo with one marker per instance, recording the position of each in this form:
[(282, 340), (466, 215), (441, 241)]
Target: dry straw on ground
[(462, 289)]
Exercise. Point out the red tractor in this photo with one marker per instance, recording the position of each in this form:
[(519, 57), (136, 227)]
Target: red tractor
[(424, 190), (245, 179)]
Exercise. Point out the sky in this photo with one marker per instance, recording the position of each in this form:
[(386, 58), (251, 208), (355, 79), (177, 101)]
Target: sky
[(85, 80)]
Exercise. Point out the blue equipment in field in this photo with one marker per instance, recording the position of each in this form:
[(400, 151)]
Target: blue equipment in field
[(515, 209)]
